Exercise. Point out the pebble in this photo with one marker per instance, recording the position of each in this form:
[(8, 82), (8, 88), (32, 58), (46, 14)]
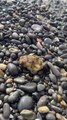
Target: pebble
[(13, 50), (54, 69), (22, 21), (40, 87), (13, 70), (2, 118), (15, 35), (28, 114), (9, 90), (37, 28), (26, 102), (1, 74), (1, 26), (64, 85), (42, 101), (20, 80), (57, 109), (50, 116), (3, 66), (14, 96), (48, 41), (6, 110), (2, 87), (53, 78), (28, 87), (43, 109)]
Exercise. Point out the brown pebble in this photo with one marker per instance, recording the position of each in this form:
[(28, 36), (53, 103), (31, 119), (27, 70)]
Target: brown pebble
[(43, 109)]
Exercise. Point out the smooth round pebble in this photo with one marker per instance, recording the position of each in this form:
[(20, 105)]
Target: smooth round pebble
[(50, 116), (26, 102), (43, 109), (6, 110)]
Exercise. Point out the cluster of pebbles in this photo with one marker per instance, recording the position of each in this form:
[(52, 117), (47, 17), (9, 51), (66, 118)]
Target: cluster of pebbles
[(33, 60)]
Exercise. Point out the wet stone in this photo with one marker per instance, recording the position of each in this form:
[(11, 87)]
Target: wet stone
[(26, 102), (50, 116), (14, 96), (28, 114), (54, 69), (40, 87), (28, 87), (42, 101), (13, 70), (15, 35), (6, 110), (20, 80), (21, 22)]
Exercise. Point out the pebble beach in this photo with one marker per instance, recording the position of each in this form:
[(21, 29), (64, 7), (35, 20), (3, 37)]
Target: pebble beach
[(33, 60)]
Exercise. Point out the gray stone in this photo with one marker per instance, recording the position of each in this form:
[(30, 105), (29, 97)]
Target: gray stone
[(26, 102), (37, 28), (6, 110)]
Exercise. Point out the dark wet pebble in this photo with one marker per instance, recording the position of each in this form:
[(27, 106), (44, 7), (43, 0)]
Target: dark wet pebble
[(13, 69), (54, 69), (50, 116), (1, 54), (6, 110), (64, 85), (57, 109), (48, 41), (29, 87), (13, 56), (2, 87), (13, 97), (26, 102), (1, 80), (22, 21), (53, 78)]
